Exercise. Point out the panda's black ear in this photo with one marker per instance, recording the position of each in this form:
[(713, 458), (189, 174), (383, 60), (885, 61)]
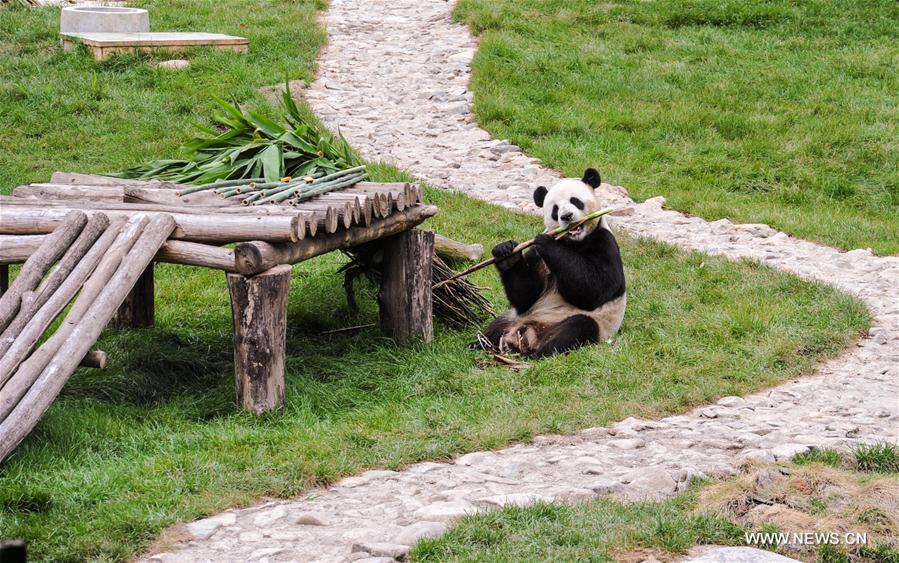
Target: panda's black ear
[(540, 195), (591, 178)]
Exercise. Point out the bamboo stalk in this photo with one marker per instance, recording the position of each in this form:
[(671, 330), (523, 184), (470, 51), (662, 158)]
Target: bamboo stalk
[(558, 233), (38, 263), (219, 184)]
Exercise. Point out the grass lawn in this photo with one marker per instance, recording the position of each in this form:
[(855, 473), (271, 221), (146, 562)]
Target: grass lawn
[(824, 491), (65, 112), (776, 112), (155, 438)]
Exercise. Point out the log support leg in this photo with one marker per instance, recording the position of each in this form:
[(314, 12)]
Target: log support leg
[(137, 310), (405, 296), (259, 314), (4, 278)]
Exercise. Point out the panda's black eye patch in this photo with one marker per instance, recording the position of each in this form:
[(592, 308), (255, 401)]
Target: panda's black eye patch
[(577, 203), (555, 214)]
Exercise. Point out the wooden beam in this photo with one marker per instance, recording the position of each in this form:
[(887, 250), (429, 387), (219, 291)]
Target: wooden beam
[(211, 228), (259, 315), (15, 249), (405, 296), (254, 257), (70, 225)]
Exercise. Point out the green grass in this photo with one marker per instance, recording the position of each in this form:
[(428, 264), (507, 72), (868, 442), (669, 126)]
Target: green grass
[(881, 457), (609, 530), (829, 457), (63, 111), (877, 458), (156, 439), (596, 531), (776, 112)]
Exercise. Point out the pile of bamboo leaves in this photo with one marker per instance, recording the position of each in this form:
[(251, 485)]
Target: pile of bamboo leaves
[(246, 147)]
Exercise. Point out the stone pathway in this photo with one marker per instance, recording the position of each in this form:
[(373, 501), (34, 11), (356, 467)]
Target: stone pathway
[(393, 77)]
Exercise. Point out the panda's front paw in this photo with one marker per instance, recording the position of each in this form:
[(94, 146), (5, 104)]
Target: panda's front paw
[(543, 241), (505, 256)]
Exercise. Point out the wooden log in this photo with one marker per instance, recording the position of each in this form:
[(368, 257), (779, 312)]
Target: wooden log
[(378, 198), (70, 225), (257, 256), (36, 299), (259, 314), (326, 217), (15, 249), (37, 399), (98, 180), (354, 201), (45, 192), (95, 359), (405, 295), (213, 228), (170, 197), (137, 310), (450, 249), (176, 208), (102, 257), (196, 254)]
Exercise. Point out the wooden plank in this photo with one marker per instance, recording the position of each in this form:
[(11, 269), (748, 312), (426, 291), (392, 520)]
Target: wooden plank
[(155, 39), (259, 315), (405, 296)]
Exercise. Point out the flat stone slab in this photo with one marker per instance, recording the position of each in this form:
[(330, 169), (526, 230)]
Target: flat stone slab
[(103, 45), (740, 555)]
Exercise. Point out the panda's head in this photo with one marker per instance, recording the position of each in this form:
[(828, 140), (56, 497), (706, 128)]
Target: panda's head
[(568, 201)]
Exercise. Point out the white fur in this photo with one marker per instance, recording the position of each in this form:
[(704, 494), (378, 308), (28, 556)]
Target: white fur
[(560, 195)]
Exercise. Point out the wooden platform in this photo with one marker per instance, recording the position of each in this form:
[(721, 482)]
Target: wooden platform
[(102, 45), (71, 221)]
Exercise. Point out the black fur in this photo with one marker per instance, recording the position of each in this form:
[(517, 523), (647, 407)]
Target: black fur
[(589, 272), (592, 178), (521, 279), (571, 333), (577, 203), (540, 195)]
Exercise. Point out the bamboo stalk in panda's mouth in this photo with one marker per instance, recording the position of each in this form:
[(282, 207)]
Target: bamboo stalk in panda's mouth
[(557, 233)]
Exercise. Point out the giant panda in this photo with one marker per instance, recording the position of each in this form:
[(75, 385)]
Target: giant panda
[(564, 293)]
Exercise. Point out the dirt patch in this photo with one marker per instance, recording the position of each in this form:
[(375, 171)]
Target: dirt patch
[(811, 499)]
